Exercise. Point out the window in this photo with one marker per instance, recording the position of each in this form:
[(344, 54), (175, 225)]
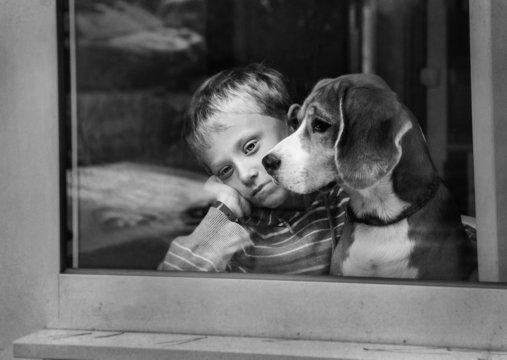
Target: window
[(134, 185), (134, 66), (437, 314)]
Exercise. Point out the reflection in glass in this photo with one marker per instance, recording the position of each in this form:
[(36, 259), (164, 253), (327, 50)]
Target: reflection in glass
[(136, 66), (133, 184)]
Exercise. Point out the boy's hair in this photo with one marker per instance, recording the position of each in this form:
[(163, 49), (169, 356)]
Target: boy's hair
[(252, 89)]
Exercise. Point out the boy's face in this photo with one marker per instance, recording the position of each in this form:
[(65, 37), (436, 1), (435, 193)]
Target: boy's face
[(236, 153)]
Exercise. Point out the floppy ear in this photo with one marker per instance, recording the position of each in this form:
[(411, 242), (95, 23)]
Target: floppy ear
[(292, 116), (369, 141)]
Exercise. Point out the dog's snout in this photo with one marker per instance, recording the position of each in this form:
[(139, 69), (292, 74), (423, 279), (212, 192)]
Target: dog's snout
[(271, 163)]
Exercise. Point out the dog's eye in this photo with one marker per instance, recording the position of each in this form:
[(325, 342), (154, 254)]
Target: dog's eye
[(319, 126)]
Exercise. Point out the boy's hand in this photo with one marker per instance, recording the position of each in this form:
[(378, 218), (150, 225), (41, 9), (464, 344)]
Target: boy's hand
[(228, 196)]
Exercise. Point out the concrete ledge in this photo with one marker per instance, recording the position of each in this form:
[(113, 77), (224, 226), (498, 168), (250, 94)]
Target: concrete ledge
[(82, 344)]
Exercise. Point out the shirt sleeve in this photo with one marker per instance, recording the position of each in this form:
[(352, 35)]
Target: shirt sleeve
[(209, 247)]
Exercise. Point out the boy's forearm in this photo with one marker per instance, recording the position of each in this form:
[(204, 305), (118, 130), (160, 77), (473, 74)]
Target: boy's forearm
[(209, 247)]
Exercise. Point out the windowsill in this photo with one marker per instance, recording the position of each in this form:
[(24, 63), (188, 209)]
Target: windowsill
[(82, 344)]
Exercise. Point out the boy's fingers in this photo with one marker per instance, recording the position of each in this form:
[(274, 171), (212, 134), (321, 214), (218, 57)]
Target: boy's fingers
[(214, 179), (214, 187), (236, 203), (245, 207), (231, 198)]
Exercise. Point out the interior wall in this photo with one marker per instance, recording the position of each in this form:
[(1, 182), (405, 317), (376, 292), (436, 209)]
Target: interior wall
[(29, 212)]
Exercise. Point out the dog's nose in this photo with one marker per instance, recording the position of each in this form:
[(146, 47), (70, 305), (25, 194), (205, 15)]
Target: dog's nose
[(271, 163)]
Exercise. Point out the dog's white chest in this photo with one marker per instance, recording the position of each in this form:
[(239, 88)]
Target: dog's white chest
[(380, 252)]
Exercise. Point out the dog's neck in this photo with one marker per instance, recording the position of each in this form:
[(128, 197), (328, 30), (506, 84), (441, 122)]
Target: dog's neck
[(380, 206), (379, 201)]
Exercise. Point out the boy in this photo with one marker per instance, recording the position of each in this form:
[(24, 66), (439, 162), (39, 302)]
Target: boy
[(255, 225)]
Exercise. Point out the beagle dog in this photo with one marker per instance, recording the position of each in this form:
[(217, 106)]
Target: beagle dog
[(401, 220)]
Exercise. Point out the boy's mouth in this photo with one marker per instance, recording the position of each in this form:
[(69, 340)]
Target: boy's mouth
[(258, 189)]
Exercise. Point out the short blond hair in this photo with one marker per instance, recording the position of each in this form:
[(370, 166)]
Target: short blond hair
[(252, 89)]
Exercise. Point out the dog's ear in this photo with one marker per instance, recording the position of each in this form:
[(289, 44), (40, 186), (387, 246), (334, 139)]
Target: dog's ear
[(293, 116), (368, 145)]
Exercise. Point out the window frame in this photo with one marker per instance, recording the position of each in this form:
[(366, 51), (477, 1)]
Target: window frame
[(362, 310), (395, 312)]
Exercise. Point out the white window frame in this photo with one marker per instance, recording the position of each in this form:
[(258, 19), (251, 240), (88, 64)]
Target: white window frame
[(394, 312)]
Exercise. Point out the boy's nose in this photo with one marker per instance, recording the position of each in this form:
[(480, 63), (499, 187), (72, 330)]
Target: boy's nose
[(247, 174), (271, 163)]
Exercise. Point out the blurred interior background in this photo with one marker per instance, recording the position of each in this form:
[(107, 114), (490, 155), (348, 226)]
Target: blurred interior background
[(130, 67)]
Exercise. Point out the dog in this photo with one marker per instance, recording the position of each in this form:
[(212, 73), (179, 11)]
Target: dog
[(401, 220)]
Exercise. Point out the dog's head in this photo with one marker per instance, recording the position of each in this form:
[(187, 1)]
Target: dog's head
[(350, 129)]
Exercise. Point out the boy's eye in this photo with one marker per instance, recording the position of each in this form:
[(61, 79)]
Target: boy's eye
[(224, 172), (319, 126), (250, 146)]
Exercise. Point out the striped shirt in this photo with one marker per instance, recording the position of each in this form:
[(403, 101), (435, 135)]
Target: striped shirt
[(298, 241)]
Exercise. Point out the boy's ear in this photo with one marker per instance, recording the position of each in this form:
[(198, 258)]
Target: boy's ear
[(292, 116)]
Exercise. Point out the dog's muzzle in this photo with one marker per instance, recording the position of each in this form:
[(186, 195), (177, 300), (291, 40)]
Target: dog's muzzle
[(271, 163)]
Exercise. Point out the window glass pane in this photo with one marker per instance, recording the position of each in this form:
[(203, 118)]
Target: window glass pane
[(137, 187), (133, 65)]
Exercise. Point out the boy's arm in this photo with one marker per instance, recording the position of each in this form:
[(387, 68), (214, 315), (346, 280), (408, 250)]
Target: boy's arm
[(209, 247)]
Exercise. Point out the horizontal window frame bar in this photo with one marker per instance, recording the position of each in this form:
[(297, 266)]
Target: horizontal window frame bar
[(111, 345), (391, 312)]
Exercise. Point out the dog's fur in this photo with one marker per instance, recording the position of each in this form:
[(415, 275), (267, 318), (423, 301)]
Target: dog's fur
[(401, 220)]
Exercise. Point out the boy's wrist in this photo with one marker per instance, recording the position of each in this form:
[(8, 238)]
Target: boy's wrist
[(217, 204)]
